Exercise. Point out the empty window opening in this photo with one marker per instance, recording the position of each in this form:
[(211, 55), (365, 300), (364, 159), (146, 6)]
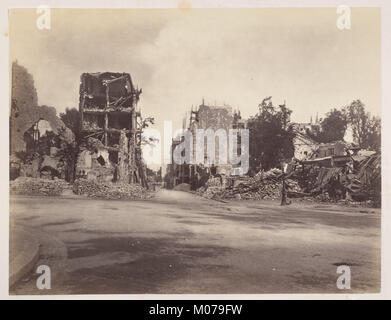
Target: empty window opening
[(101, 161)]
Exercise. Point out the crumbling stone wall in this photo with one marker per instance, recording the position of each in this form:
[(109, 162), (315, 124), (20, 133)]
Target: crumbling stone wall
[(27, 116), (25, 113), (205, 117), (93, 162), (304, 146), (123, 158), (215, 117), (23, 90), (212, 117)]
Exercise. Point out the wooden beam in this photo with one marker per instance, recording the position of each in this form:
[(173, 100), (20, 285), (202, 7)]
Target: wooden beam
[(106, 115), (107, 110), (114, 130), (106, 82), (112, 149)]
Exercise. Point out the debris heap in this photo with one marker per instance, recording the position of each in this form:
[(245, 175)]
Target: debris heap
[(264, 185), (212, 188), (109, 190), (36, 186)]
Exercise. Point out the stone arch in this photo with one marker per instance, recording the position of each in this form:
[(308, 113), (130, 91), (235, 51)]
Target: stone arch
[(31, 115)]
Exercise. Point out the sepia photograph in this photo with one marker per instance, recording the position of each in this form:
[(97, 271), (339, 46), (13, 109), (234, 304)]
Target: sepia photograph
[(195, 150)]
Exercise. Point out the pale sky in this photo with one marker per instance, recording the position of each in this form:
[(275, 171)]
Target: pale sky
[(232, 56)]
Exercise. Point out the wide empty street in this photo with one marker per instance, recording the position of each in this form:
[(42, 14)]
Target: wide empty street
[(178, 242)]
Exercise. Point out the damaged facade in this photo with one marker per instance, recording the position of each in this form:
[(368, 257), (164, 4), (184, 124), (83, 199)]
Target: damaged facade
[(306, 148), (304, 145), (205, 117), (33, 152), (111, 129)]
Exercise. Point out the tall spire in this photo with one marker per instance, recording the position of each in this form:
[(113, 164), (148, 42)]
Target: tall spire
[(317, 119), (311, 120)]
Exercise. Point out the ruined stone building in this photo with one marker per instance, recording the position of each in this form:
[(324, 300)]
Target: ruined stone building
[(111, 128), (206, 117), (35, 152), (307, 149), (215, 118), (304, 145)]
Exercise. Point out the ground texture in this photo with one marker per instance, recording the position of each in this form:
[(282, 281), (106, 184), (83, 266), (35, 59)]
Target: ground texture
[(181, 243)]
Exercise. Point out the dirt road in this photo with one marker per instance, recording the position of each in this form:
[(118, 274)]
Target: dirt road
[(181, 243)]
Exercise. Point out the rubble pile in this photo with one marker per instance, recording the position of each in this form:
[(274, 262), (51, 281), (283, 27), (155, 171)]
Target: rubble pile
[(36, 186), (355, 184), (109, 190), (264, 185), (260, 190), (365, 185), (212, 189)]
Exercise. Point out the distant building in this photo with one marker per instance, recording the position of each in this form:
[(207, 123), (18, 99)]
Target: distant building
[(206, 117), (337, 148), (307, 148), (215, 118), (304, 145)]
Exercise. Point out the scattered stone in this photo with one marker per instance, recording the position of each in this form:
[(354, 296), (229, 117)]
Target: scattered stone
[(264, 185), (36, 186), (110, 190)]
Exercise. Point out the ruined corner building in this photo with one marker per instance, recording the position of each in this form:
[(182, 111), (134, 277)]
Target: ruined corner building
[(111, 130)]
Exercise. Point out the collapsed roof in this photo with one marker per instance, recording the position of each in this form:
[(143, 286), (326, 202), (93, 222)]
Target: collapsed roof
[(117, 88)]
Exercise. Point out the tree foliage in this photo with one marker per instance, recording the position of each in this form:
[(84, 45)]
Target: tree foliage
[(148, 140), (271, 137), (332, 127), (366, 129), (71, 119)]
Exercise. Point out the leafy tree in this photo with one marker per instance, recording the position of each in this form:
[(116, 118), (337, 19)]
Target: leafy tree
[(147, 121), (373, 137), (71, 119), (271, 137), (333, 127), (366, 129), (68, 152)]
